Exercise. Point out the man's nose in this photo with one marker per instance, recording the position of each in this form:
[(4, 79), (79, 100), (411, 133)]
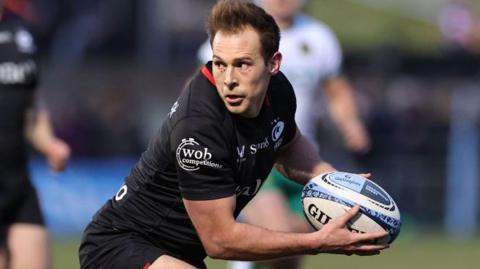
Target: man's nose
[(230, 79)]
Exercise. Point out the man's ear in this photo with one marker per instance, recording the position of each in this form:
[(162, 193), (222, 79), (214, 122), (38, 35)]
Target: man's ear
[(274, 63)]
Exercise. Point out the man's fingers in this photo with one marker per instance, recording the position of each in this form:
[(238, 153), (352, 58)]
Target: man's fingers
[(367, 248), (366, 175), (348, 215), (368, 253), (361, 250), (371, 236)]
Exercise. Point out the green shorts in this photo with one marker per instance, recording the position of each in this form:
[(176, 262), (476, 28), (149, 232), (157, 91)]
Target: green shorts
[(291, 190)]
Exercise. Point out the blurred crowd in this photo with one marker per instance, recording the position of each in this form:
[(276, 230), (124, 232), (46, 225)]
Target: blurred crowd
[(112, 68)]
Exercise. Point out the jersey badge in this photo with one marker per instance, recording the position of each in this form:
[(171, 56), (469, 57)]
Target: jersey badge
[(306, 50), (173, 109), (277, 130), (277, 133)]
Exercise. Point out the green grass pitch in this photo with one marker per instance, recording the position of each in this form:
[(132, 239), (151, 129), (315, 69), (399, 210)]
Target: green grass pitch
[(419, 252)]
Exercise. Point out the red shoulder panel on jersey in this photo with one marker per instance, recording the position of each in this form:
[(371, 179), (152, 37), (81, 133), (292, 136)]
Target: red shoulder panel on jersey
[(208, 74), (266, 101)]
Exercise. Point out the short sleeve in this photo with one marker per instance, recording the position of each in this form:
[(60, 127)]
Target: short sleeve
[(332, 52), (284, 104), (290, 109), (203, 159)]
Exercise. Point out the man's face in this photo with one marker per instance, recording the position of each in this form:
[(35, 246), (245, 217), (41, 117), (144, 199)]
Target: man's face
[(240, 72), (282, 9)]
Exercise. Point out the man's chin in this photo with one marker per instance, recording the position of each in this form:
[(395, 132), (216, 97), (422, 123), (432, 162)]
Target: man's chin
[(241, 111), (236, 109)]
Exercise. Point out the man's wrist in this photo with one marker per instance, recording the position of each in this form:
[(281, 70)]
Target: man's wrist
[(323, 167)]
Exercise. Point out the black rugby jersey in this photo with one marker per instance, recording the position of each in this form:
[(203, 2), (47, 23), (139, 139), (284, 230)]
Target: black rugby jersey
[(201, 152), (18, 78)]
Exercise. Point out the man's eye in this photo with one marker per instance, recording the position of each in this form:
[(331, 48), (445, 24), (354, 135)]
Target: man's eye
[(244, 66), (219, 65)]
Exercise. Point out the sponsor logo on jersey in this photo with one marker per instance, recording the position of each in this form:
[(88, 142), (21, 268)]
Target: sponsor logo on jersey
[(252, 149), (276, 135), (5, 37), (259, 146), (191, 156), (16, 73), (248, 190), (241, 151), (241, 154)]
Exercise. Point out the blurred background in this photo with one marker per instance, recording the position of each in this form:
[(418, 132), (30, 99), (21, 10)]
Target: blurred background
[(111, 69)]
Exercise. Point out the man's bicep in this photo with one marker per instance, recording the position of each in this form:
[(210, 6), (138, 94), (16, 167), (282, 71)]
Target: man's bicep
[(298, 160), (287, 150), (286, 154)]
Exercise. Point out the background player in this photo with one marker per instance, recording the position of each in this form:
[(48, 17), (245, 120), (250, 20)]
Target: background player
[(312, 60), (23, 236)]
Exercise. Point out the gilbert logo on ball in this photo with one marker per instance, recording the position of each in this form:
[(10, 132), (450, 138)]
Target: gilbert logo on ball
[(330, 195)]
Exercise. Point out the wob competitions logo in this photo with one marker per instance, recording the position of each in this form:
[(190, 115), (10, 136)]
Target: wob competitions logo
[(191, 156)]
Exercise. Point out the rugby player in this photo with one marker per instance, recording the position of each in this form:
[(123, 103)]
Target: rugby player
[(23, 236), (312, 59), (234, 120)]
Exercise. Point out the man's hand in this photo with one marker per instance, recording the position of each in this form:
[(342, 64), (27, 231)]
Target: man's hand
[(57, 154), (335, 238)]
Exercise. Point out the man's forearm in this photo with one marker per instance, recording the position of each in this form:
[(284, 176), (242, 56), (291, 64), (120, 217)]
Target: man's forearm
[(248, 242), (225, 238), (39, 131), (342, 106), (301, 162)]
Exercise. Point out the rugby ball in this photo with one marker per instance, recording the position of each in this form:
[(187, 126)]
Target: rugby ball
[(330, 195)]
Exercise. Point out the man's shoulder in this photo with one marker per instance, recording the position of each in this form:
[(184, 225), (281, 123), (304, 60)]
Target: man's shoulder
[(279, 86), (279, 80), (199, 99)]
